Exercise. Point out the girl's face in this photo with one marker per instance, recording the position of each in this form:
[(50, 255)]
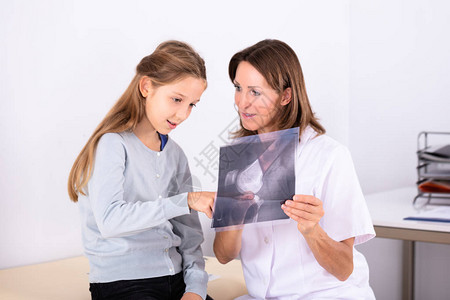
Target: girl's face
[(169, 105), (256, 101)]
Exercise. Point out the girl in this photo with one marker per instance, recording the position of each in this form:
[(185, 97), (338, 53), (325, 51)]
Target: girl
[(133, 186), (311, 255)]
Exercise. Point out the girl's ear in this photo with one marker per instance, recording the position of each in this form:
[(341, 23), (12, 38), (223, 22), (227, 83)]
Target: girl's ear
[(145, 85), (286, 97)]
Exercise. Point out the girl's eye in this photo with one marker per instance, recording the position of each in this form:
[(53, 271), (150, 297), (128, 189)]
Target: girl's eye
[(176, 99), (237, 88), (192, 105), (255, 93)]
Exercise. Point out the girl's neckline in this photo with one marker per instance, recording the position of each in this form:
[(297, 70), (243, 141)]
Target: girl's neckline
[(164, 139)]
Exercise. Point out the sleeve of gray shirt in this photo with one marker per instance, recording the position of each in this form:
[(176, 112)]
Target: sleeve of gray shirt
[(188, 228), (114, 216)]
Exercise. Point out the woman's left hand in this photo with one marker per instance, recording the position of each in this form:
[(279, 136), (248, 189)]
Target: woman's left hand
[(306, 210), (191, 296)]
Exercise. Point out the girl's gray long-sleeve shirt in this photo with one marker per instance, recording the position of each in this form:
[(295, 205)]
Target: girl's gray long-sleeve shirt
[(135, 219)]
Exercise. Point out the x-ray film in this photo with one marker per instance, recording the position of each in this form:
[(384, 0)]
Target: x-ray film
[(256, 175)]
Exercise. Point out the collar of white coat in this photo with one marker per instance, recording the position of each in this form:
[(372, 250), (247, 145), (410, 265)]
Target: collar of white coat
[(308, 134)]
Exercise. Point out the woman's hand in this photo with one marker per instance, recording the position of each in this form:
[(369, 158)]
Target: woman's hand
[(191, 296), (306, 210), (202, 202), (334, 256)]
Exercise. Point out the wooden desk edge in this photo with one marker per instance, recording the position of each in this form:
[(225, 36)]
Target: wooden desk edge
[(412, 234)]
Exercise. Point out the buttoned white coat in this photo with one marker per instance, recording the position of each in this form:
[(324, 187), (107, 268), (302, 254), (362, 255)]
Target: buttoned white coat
[(277, 261)]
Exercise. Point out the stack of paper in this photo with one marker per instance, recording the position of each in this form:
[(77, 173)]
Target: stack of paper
[(434, 214), (437, 154), (435, 186)]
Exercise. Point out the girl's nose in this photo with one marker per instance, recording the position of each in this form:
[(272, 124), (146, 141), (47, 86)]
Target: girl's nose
[(183, 113)]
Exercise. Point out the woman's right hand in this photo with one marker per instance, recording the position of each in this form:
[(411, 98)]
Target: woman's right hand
[(202, 202)]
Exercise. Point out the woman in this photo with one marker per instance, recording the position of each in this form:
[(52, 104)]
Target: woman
[(312, 255)]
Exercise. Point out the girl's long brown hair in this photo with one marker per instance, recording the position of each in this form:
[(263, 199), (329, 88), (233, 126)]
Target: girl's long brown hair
[(279, 65), (171, 61)]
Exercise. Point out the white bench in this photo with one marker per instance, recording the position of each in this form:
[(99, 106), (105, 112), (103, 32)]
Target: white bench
[(68, 279)]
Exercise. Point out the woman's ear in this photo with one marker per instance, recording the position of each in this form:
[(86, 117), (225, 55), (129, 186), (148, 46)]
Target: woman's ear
[(145, 85), (286, 96)]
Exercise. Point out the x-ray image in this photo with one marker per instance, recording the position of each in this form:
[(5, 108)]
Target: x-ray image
[(256, 175)]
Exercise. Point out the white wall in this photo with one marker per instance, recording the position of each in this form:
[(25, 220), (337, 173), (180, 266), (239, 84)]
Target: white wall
[(64, 63), (399, 86), (377, 73)]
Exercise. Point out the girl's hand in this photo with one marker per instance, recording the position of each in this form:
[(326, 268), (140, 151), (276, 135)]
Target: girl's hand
[(306, 210), (202, 202), (191, 296), (241, 209)]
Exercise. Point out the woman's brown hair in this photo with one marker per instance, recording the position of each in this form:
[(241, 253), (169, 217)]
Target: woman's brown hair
[(171, 61), (279, 65)]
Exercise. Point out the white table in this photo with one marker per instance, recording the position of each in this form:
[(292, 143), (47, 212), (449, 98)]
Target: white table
[(388, 210)]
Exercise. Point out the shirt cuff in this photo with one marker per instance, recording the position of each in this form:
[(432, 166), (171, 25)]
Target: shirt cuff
[(196, 282), (176, 206)]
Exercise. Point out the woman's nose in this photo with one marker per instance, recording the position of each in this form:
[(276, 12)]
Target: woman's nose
[(242, 101)]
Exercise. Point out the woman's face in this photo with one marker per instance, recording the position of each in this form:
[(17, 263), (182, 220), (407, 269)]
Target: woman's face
[(169, 105), (257, 102)]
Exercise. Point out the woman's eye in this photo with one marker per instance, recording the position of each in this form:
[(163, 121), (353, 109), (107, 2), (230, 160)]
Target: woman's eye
[(255, 93), (192, 105), (176, 99), (237, 88)]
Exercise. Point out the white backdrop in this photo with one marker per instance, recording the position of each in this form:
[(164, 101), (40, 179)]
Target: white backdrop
[(66, 62), (399, 86), (376, 72)]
